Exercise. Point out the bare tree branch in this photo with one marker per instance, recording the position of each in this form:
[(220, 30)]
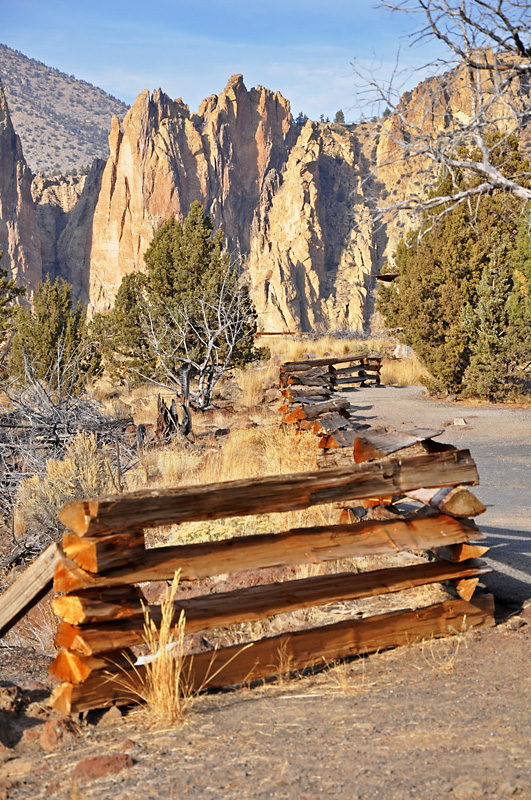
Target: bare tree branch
[(484, 89)]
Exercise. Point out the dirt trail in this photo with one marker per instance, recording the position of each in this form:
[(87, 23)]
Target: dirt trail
[(443, 719)]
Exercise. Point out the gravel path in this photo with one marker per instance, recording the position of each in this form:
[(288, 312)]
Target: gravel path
[(499, 438)]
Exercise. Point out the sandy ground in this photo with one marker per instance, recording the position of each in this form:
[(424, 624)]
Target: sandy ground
[(443, 719)]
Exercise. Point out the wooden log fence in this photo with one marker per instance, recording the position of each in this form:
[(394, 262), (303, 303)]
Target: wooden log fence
[(103, 559), (308, 389)]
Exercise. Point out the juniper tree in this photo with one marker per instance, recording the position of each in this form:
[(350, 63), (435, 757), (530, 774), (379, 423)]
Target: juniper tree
[(458, 300), (53, 336)]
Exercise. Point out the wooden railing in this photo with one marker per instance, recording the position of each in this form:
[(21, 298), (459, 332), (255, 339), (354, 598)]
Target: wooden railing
[(309, 390), (104, 559)]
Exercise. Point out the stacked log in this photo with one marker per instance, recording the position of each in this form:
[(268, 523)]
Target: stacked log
[(102, 608), (381, 445), (361, 370), (308, 389)]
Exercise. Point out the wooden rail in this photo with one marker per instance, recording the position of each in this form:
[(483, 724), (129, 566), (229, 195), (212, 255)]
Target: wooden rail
[(308, 388)]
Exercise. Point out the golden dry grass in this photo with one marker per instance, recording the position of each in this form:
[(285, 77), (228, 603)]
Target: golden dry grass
[(295, 348), (253, 382), (165, 684), (250, 453), (403, 372)]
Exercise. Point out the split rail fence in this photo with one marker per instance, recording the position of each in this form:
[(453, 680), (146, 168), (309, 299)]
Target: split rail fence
[(103, 559), (309, 387)]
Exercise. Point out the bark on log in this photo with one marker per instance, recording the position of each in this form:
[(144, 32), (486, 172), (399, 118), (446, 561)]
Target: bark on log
[(290, 492), (257, 602), (288, 652), (296, 546)]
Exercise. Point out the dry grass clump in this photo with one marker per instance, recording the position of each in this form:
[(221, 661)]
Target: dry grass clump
[(253, 382), (84, 472), (164, 685), (252, 453), (403, 372), (443, 654)]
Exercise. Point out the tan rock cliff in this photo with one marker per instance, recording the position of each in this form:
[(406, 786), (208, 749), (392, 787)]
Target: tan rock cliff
[(162, 159), (19, 231), (295, 202)]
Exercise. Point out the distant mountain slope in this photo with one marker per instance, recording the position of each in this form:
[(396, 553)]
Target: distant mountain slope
[(63, 122)]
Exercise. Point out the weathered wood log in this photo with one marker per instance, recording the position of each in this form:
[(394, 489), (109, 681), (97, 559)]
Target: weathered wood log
[(293, 366), (461, 551), (296, 546), (328, 423), (364, 452), (457, 500), (104, 552), (466, 587), (299, 392), (305, 410), (380, 442), (303, 379), (290, 492), (350, 381), (344, 438), (288, 652), (329, 406), (357, 370), (74, 668), (97, 605), (309, 372), (28, 589), (337, 450), (257, 602)]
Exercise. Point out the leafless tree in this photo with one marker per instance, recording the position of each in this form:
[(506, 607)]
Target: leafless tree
[(202, 338), (480, 86)]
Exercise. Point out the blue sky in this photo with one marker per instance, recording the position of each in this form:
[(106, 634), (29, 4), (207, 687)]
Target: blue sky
[(304, 49)]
